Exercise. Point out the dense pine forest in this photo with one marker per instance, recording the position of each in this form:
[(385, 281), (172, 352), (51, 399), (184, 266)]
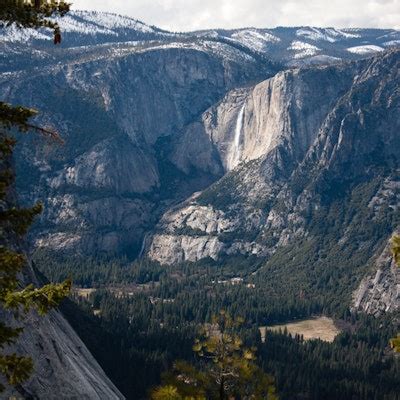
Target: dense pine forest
[(148, 315)]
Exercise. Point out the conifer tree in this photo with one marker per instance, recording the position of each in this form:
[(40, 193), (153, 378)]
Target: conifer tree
[(226, 368), (33, 14), (395, 342), (396, 249), (15, 297)]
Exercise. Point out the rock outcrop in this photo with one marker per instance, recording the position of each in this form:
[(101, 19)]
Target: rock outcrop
[(63, 366), (379, 293)]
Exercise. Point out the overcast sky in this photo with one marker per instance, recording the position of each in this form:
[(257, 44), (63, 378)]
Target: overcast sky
[(184, 15)]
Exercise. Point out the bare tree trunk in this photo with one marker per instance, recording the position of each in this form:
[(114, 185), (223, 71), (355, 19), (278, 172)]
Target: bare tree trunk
[(221, 390)]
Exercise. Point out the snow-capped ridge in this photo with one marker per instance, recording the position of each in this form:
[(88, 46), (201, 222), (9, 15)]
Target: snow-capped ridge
[(288, 46), (303, 49), (366, 49), (254, 39), (114, 21), (86, 24), (330, 35)]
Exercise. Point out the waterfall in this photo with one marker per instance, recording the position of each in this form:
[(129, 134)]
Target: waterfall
[(235, 149), (143, 248)]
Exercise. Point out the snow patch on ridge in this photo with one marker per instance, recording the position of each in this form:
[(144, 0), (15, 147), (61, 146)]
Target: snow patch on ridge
[(71, 24), (13, 34), (392, 43), (303, 49), (82, 22), (113, 21), (314, 34), (219, 49), (364, 49), (344, 33), (330, 35), (255, 40)]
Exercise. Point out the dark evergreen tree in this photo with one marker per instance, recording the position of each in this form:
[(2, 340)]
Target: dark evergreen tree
[(16, 298), (33, 14)]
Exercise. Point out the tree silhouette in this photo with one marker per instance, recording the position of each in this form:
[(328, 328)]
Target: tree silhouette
[(16, 298), (33, 14)]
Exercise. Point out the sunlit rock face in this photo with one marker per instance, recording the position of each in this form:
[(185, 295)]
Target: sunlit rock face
[(379, 292), (299, 148), (249, 123)]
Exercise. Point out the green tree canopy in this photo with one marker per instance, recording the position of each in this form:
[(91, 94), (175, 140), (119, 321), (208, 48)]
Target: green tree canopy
[(226, 369), (395, 342), (396, 249)]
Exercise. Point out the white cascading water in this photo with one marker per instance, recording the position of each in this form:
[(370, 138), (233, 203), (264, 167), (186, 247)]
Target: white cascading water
[(235, 150)]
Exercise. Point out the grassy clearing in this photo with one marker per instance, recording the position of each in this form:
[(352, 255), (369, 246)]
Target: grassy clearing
[(83, 292), (322, 328)]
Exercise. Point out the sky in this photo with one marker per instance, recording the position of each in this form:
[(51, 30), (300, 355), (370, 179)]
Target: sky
[(186, 15)]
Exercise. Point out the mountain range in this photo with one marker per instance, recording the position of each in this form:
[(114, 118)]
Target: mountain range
[(277, 145)]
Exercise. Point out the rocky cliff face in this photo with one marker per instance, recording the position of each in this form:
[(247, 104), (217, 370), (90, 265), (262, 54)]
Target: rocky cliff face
[(150, 117), (120, 114), (249, 123), (63, 366), (379, 293), (309, 149)]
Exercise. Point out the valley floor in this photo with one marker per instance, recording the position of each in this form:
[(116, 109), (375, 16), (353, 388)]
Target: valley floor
[(322, 328)]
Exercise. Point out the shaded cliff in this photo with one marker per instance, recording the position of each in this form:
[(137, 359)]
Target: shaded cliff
[(379, 293), (63, 366)]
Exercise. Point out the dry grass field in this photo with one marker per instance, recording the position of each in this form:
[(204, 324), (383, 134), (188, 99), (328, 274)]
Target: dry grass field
[(315, 328), (85, 293)]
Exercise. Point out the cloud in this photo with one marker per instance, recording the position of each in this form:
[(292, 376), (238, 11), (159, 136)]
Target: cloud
[(186, 15)]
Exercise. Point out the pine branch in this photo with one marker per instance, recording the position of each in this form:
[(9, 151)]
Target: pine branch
[(18, 117), (43, 299), (33, 14)]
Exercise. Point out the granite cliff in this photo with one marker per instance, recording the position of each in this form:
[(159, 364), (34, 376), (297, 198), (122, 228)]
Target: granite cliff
[(298, 146)]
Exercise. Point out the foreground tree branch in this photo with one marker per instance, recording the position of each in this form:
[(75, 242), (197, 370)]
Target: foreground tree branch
[(33, 14), (16, 297)]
